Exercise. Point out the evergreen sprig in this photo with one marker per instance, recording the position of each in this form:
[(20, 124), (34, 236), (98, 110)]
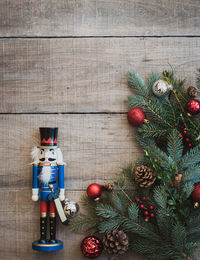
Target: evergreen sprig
[(174, 232)]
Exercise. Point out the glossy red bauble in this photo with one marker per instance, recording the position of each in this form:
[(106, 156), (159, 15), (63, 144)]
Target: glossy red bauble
[(91, 247), (136, 116), (94, 190), (196, 193), (193, 106)]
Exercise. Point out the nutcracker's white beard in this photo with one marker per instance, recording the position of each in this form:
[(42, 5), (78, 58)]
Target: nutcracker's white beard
[(45, 174)]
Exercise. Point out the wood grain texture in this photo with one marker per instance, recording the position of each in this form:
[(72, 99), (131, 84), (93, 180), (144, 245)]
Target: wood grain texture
[(85, 75), (98, 18), (95, 147), (78, 69)]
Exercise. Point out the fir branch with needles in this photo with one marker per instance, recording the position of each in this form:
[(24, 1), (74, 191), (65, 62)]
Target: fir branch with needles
[(173, 232)]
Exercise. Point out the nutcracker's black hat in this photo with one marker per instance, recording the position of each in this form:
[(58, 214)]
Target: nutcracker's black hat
[(48, 137)]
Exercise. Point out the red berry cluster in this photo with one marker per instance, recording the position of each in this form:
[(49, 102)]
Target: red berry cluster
[(185, 138), (147, 210)]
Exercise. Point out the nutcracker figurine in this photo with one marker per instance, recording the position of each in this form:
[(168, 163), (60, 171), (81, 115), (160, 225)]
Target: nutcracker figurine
[(48, 179)]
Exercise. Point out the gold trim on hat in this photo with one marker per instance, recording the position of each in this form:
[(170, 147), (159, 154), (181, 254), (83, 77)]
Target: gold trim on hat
[(48, 147)]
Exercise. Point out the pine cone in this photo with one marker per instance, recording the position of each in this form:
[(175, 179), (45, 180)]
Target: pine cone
[(107, 186), (116, 242), (144, 176), (192, 92)]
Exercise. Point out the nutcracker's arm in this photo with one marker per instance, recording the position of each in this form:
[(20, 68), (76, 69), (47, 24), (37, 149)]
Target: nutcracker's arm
[(61, 183), (35, 189)]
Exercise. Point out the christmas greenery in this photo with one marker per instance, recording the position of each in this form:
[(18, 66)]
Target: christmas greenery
[(172, 230)]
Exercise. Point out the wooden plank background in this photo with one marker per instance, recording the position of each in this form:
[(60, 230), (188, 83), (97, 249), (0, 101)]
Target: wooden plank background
[(64, 63)]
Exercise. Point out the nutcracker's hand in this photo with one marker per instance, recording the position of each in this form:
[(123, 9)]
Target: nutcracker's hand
[(62, 194), (35, 197)]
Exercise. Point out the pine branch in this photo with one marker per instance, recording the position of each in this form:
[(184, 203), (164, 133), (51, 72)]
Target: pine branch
[(153, 131), (117, 202), (157, 154), (160, 196), (137, 84), (187, 189), (135, 101), (143, 141), (190, 158), (133, 212), (173, 111), (198, 79), (106, 211), (134, 227), (128, 171), (87, 203), (175, 146), (157, 114), (164, 221), (109, 225), (178, 236), (84, 223)]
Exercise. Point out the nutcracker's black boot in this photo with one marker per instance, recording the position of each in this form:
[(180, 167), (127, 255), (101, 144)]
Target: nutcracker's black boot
[(43, 230), (53, 229)]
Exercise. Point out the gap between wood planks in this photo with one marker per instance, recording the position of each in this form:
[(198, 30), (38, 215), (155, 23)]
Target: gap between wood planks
[(64, 113), (106, 36)]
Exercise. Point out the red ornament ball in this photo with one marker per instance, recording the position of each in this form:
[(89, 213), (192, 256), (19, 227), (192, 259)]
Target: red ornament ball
[(91, 247), (136, 116), (94, 190), (193, 107), (196, 193)]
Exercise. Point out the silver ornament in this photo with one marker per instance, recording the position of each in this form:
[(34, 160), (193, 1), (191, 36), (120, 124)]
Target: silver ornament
[(161, 88), (71, 208)]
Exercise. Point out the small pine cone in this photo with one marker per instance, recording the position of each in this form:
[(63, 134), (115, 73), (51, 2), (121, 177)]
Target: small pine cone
[(107, 186), (177, 180), (144, 176), (192, 92), (116, 242)]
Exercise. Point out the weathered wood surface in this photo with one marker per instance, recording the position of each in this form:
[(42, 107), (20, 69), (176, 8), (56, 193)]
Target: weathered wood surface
[(95, 147), (81, 71), (99, 18), (85, 75)]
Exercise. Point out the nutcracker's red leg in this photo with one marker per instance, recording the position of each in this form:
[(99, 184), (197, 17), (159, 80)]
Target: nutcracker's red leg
[(52, 215), (43, 221)]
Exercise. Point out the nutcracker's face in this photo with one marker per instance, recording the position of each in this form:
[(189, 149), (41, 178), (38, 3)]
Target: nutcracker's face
[(48, 155)]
